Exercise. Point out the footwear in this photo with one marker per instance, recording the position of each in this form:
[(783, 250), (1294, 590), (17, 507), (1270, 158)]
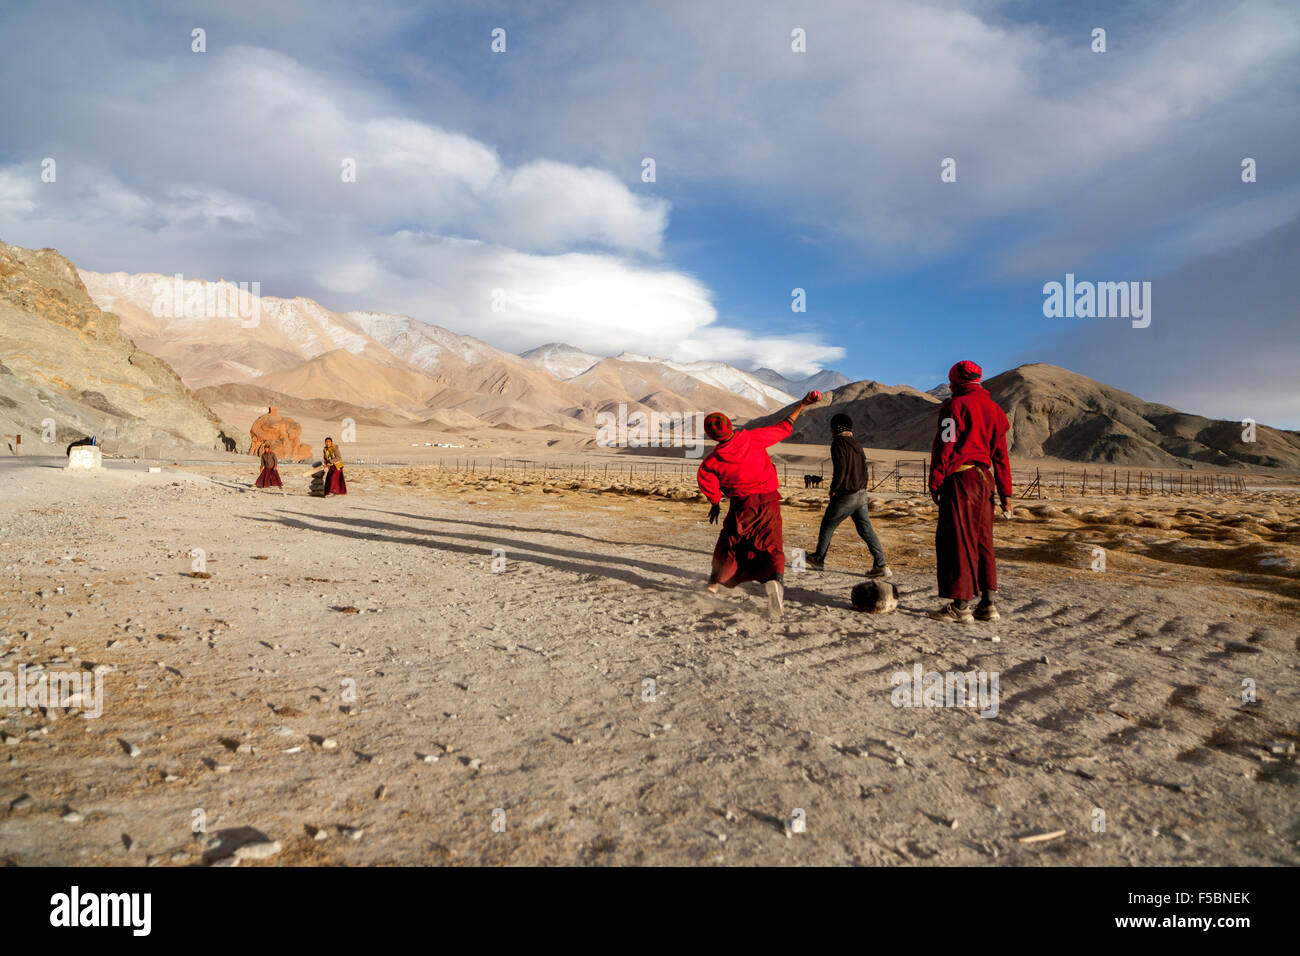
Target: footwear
[(775, 599), (987, 612), (817, 564), (955, 614), (884, 571)]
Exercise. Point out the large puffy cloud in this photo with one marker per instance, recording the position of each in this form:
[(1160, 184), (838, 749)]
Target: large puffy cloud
[(1081, 148), (236, 171), (519, 300)]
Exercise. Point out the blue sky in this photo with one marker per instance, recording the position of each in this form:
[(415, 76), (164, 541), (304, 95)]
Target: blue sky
[(819, 170)]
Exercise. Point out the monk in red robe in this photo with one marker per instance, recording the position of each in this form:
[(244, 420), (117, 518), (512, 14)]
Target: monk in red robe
[(334, 481), (750, 545), (269, 476), (968, 462)]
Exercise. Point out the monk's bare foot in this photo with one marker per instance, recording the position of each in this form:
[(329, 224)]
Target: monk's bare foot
[(775, 599)]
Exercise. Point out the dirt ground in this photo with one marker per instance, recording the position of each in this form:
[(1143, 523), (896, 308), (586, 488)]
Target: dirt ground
[(361, 680)]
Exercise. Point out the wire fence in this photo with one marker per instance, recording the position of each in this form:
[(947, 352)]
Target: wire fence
[(900, 476)]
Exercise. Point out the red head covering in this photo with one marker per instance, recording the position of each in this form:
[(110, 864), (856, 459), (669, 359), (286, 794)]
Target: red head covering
[(964, 372), (717, 426)]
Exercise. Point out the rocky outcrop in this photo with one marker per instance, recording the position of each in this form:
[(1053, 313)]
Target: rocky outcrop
[(69, 371), (280, 434), (1056, 413)]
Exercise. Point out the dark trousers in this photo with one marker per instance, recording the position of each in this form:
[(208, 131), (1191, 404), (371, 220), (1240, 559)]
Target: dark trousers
[(853, 505)]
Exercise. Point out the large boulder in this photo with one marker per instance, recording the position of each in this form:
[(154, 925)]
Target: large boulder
[(280, 434)]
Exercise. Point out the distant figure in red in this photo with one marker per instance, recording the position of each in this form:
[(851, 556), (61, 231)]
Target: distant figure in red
[(334, 481), (968, 461), (269, 476), (750, 546)]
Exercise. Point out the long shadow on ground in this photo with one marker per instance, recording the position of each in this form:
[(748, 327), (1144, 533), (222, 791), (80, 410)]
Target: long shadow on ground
[(578, 562)]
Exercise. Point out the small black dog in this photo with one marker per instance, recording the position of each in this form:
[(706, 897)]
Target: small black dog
[(812, 481)]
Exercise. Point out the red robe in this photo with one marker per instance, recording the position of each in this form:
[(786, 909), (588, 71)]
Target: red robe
[(269, 476), (964, 472), (334, 481), (750, 545), (979, 433)]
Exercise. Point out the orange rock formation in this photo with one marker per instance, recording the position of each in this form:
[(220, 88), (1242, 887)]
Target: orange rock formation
[(280, 434)]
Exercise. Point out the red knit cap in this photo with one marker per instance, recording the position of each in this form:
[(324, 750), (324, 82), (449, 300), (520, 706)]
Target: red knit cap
[(717, 426), (965, 372)]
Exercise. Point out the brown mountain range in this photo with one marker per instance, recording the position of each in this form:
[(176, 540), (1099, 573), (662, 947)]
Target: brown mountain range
[(298, 347), (1059, 414)]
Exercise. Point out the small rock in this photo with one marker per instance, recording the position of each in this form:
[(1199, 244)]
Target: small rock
[(131, 749), (72, 816), (261, 850), (352, 833), (21, 802)]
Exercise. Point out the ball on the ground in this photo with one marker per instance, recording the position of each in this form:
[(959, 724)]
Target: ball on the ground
[(874, 597)]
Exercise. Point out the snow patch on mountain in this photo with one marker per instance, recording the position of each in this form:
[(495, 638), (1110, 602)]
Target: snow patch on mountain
[(721, 375), (562, 361)]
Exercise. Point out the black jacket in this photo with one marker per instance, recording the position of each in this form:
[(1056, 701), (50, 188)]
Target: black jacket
[(849, 464)]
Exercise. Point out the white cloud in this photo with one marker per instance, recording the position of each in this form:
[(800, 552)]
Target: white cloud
[(235, 170), (845, 140)]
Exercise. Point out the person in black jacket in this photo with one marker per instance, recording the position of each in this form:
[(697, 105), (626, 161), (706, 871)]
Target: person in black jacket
[(848, 499)]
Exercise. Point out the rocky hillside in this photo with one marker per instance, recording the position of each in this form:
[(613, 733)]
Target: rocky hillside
[(1057, 413), (1062, 414), (884, 416), (67, 361)]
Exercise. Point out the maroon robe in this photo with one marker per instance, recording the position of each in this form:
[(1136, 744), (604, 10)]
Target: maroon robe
[(968, 461), (334, 482), (749, 546), (963, 541), (269, 476)]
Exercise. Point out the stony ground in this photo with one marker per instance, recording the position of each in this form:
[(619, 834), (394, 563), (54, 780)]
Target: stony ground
[(362, 681)]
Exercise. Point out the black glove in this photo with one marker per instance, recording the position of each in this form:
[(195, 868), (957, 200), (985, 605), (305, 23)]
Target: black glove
[(713, 514)]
